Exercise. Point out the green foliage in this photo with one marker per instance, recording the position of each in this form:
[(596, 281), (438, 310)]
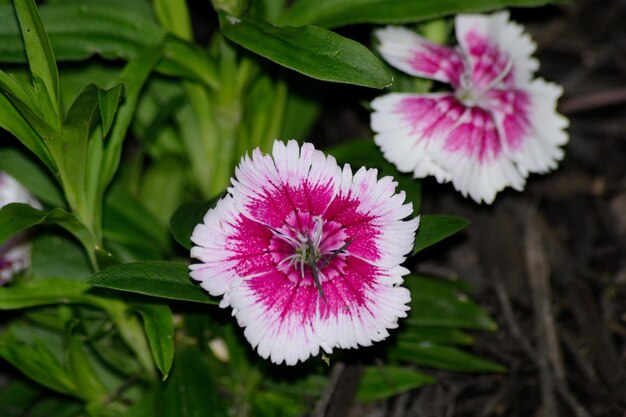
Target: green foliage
[(380, 382), (441, 303), (310, 50), (334, 13), (192, 390), (159, 326), (43, 67), (18, 216), (435, 228), (154, 278), (78, 30)]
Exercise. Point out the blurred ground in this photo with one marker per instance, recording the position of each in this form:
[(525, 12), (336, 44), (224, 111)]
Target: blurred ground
[(549, 264)]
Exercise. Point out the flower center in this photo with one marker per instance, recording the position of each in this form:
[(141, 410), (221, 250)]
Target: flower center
[(472, 95), (308, 249)]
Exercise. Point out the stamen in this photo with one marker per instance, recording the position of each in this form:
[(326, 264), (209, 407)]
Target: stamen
[(501, 76)]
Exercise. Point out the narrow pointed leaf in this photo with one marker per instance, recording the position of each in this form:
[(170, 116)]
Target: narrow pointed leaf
[(434, 334), (335, 13), (40, 55), (154, 278), (380, 382), (435, 228), (72, 150), (310, 50), (436, 303), (442, 357), (42, 292), (133, 77), (108, 101), (37, 363), (90, 387), (192, 390), (159, 326), (111, 29), (16, 217), (12, 121), (185, 59)]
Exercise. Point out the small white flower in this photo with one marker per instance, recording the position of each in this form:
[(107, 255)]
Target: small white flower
[(495, 127)]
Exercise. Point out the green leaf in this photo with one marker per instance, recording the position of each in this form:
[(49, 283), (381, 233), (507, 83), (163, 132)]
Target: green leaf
[(80, 30), (440, 335), (441, 357), (55, 255), (108, 101), (126, 221), (310, 50), (41, 125), (159, 326), (16, 397), (191, 391), (60, 406), (37, 363), (133, 77), (301, 113), (89, 386), (18, 87), (168, 174), (16, 124), (186, 218), (154, 278), (70, 153), (144, 407), (16, 217), (174, 16), (381, 382), (335, 13), (31, 176), (435, 228), (434, 302), (42, 292), (187, 60), (40, 58)]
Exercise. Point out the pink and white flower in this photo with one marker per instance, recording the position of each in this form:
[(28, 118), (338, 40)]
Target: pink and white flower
[(14, 253), (497, 125), (307, 254)]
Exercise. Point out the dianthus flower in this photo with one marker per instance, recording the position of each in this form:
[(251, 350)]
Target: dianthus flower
[(307, 254), (14, 253), (495, 127)]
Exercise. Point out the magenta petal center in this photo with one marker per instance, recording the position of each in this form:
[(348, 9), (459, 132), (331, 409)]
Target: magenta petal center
[(306, 245)]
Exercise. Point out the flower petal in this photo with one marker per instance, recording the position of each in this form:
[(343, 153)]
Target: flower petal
[(372, 215), (489, 42), (537, 131), (473, 154), (407, 124), (289, 323), (269, 188), (411, 53), (230, 246)]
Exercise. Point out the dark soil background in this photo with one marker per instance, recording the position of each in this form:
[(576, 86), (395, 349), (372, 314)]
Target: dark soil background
[(549, 264)]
